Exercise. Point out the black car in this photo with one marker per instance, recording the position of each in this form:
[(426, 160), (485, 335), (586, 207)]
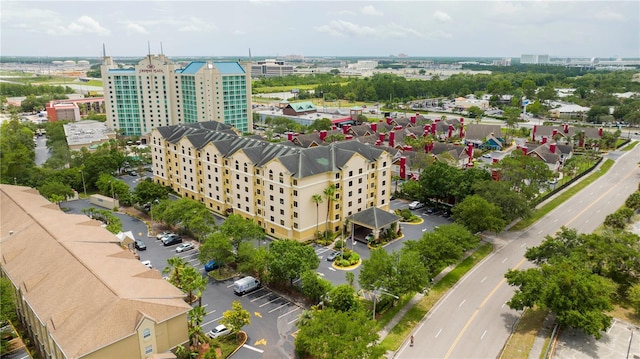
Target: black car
[(171, 240), (140, 245)]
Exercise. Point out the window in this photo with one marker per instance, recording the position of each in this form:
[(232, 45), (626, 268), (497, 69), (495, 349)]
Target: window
[(282, 222), (350, 193), (146, 333), (359, 180), (350, 173), (350, 183), (282, 212), (148, 350)]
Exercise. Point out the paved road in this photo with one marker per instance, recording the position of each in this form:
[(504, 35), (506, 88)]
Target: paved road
[(472, 320)]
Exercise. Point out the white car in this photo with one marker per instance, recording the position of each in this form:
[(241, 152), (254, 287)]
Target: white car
[(218, 331), (163, 234), (416, 205), (148, 264), (486, 155), (184, 247)]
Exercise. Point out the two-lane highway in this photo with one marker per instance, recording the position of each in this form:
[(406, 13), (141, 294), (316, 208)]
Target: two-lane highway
[(472, 320)]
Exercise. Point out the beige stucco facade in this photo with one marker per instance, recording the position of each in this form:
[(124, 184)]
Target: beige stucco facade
[(79, 294), (268, 189)]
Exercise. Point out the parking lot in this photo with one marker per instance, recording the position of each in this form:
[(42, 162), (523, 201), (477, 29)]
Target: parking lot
[(273, 316)]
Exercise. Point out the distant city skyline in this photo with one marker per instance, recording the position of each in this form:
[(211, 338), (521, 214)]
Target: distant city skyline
[(607, 29)]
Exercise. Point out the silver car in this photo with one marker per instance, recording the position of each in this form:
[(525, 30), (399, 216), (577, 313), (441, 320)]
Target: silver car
[(219, 331)]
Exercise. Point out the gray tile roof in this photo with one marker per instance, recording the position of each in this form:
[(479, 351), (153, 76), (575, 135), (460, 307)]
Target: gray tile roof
[(374, 218), (301, 162), (480, 132)]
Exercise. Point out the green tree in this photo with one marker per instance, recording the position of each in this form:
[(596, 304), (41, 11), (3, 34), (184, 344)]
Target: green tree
[(317, 199), (478, 215), (239, 229), (50, 188), (288, 259), (217, 247), (343, 298), (331, 333), (578, 298), (196, 316), (17, 152), (514, 205), (329, 194), (633, 201), (633, 294), (525, 174), (253, 260), (175, 267), (475, 112), (191, 282), (148, 191), (314, 286), (236, 318), (7, 309)]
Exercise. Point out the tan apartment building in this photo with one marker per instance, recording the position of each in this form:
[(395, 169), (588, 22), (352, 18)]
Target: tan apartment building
[(79, 294), (271, 183), (158, 92)]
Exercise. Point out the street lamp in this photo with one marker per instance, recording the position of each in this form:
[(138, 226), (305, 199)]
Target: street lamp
[(378, 296)]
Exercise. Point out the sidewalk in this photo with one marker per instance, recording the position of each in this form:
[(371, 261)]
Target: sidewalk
[(411, 303)]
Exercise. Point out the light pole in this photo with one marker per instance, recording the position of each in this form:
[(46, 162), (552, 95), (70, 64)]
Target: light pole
[(84, 187), (378, 296)]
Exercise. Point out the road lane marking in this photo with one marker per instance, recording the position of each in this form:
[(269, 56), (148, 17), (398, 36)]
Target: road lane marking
[(332, 269), (230, 285), (321, 274), (252, 348), (438, 333), (211, 312), (475, 313), (483, 334), (257, 314), (461, 303), (289, 312), (293, 321), (555, 220), (483, 279), (504, 260)]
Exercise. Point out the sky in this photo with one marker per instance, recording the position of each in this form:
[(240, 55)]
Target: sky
[(271, 28)]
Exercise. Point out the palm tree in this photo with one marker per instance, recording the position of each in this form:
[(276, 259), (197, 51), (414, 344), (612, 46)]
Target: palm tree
[(176, 265), (196, 316), (330, 194), (317, 199)]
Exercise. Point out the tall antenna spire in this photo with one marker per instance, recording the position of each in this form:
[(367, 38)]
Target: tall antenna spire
[(104, 50), (249, 54), (149, 49), (161, 51)]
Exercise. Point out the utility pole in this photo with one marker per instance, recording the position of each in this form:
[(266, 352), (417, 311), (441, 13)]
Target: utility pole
[(83, 184)]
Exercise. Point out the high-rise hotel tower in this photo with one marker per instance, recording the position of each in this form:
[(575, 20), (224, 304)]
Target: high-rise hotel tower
[(158, 92)]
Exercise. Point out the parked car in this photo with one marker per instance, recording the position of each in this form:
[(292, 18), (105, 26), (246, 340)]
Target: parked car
[(163, 234), (245, 285), (332, 257), (219, 331), (148, 264), (416, 205), (140, 245), (211, 265), (184, 247), (369, 238), (171, 240), (486, 155), (133, 173)]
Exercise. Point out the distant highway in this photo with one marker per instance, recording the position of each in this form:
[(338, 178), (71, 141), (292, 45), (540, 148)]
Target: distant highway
[(472, 320)]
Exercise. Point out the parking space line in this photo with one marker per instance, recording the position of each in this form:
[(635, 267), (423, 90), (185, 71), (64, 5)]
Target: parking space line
[(211, 321), (273, 310), (269, 302), (293, 321), (230, 285), (211, 312), (252, 348), (289, 312), (253, 300)]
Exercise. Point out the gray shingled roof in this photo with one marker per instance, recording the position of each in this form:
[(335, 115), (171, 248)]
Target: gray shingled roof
[(480, 132), (374, 218), (301, 162)]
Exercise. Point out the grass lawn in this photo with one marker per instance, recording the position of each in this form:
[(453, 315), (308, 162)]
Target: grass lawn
[(415, 314), (524, 335), (565, 195), (630, 146)]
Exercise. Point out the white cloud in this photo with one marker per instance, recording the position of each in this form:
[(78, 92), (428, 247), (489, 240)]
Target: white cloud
[(137, 29), (371, 10), (86, 24), (82, 25), (441, 16), (341, 28), (610, 15), (195, 24), (395, 30)]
